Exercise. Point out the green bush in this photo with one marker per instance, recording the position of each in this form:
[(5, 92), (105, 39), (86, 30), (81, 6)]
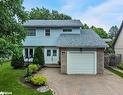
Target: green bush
[(120, 66), (33, 68), (38, 56), (17, 61), (28, 79), (39, 80)]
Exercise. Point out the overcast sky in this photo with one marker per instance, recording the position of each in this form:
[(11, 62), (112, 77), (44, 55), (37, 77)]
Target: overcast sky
[(100, 13)]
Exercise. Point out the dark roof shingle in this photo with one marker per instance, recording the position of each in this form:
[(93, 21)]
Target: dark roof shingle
[(87, 39), (53, 23)]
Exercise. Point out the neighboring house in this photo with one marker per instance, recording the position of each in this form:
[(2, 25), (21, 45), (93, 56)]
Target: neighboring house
[(78, 51), (118, 42)]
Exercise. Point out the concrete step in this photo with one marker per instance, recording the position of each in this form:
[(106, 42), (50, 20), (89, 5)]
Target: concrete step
[(52, 65)]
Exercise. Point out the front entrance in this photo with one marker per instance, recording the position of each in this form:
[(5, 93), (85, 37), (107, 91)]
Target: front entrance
[(51, 55)]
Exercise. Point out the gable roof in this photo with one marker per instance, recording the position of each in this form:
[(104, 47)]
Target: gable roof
[(87, 39), (53, 23), (118, 33)]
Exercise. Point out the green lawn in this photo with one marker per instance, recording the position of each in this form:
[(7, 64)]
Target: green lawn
[(9, 81), (120, 65), (115, 71)]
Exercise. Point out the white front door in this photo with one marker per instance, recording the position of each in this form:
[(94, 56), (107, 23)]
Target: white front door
[(51, 55)]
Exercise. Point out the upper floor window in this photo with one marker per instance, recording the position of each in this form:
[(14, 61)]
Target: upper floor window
[(31, 32), (47, 32), (67, 30)]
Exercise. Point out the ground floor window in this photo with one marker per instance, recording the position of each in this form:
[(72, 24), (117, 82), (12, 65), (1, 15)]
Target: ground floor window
[(26, 53), (54, 52), (29, 52), (48, 52)]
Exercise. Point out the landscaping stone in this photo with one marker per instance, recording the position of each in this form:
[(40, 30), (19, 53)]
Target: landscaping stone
[(43, 89)]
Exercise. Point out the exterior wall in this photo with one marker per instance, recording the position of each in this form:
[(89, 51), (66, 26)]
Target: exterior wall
[(119, 41), (119, 46), (100, 61), (41, 40), (63, 55), (119, 51)]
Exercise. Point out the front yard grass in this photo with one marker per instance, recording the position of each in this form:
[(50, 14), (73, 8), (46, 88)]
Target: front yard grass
[(115, 71), (120, 66), (10, 81)]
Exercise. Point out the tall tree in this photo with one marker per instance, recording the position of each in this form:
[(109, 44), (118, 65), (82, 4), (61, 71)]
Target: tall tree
[(113, 31), (12, 15), (37, 13), (100, 31), (85, 26), (43, 13)]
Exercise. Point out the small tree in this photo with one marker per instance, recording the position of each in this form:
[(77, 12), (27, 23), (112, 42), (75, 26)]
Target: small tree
[(38, 56)]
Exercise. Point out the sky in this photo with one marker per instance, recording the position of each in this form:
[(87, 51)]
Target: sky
[(100, 13)]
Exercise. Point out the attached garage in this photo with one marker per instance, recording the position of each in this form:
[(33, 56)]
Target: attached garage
[(81, 62), (81, 53)]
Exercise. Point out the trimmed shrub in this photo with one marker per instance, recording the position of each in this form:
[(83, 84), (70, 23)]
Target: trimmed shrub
[(17, 61), (39, 80), (39, 56), (33, 68)]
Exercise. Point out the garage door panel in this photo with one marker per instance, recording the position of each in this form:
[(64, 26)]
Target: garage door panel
[(81, 63)]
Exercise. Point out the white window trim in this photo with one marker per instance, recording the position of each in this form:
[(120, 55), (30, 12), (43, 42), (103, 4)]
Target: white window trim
[(28, 52), (66, 31), (31, 29), (45, 32)]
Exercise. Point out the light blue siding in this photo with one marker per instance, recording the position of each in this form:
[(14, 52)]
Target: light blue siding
[(41, 40)]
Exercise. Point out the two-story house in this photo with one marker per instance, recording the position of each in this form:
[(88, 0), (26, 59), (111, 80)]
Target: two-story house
[(79, 51)]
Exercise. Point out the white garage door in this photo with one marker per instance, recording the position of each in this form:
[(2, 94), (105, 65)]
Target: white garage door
[(81, 62)]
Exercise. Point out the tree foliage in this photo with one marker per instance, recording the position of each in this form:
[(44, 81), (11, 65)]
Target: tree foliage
[(100, 31), (113, 31), (17, 61), (12, 15), (85, 26), (45, 14)]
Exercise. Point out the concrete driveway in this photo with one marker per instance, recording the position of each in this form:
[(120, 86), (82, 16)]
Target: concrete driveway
[(107, 84)]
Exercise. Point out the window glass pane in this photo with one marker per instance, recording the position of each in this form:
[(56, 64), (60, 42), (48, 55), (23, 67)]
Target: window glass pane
[(26, 53), (48, 52), (31, 53), (67, 30), (47, 32), (54, 52), (31, 32)]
